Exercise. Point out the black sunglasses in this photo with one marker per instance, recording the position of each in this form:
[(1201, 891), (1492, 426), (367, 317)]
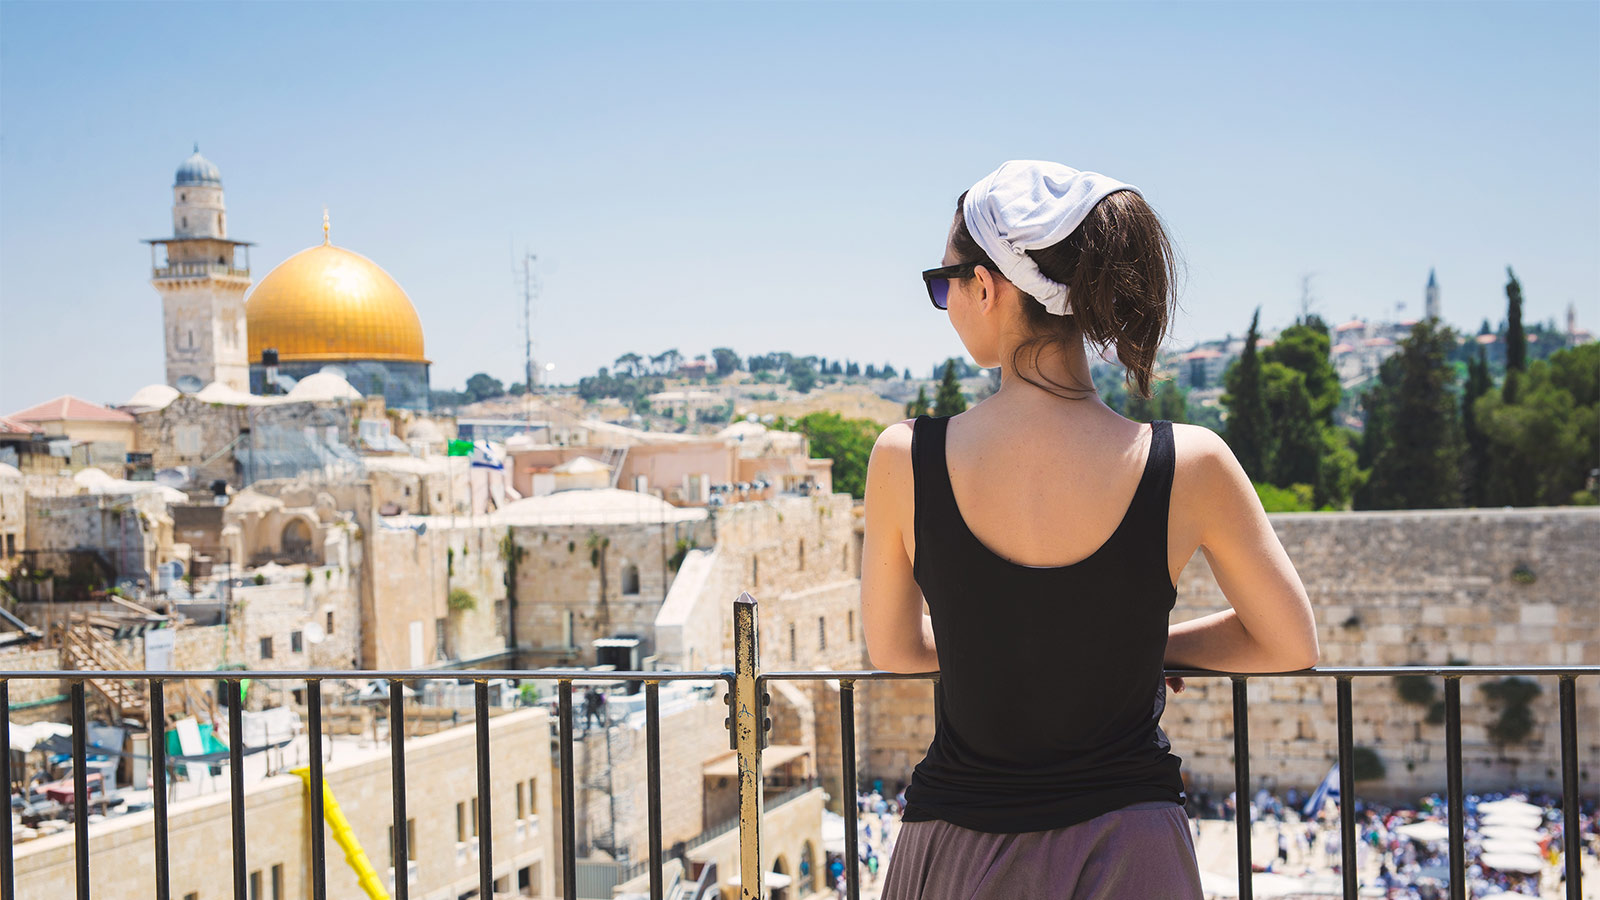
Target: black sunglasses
[(938, 281)]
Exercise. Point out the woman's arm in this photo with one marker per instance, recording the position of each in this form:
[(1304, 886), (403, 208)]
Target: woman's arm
[(899, 634), (1270, 627)]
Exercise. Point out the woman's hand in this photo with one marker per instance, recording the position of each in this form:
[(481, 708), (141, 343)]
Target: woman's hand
[(1175, 685)]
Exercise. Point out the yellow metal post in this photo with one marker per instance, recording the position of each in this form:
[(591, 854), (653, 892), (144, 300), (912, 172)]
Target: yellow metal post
[(749, 716), (345, 836)]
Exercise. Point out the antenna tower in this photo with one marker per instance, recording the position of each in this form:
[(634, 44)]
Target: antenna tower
[(527, 335)]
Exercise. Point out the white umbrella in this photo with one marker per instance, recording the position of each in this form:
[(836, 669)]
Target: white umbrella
[(1512, 815), (1503, 895), (1512, 862), (773, 879), (1522, 846), (1511, 832), (1509, 806), (1271, 884), (1426, 830)]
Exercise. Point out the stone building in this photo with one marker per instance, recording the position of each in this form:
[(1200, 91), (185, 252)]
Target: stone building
[(219, 434), (13, 514)]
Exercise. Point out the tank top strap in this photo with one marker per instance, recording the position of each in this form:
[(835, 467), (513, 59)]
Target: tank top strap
[(935, 501), (1153, 498)]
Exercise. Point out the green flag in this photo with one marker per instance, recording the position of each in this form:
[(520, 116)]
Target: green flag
[(460, 448)]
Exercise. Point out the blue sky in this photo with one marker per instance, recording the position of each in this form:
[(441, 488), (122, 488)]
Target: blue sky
[(773, 176)]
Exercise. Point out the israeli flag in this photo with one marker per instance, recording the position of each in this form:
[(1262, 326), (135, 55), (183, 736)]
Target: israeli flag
[(1327, 790)]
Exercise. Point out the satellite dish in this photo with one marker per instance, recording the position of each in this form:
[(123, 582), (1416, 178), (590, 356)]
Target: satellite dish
[(172, 478), (190, 384), (285, 383), (313, 633)]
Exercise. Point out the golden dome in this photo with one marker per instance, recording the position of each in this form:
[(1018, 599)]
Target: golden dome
[(326, 304)]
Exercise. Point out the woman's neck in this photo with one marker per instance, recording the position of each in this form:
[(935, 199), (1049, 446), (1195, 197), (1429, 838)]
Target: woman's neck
[(1064, 372)]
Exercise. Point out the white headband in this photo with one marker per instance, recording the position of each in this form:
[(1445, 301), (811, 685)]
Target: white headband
[(1027, 205)]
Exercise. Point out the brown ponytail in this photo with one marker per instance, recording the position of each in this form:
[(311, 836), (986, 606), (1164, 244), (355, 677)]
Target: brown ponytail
[(1121, 276)]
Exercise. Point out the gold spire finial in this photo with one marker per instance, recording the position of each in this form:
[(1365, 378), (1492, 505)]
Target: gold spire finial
[(325, 240)]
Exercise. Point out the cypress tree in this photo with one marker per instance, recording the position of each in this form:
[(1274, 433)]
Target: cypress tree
[(1246, 427), (919, 406), (1516, 339), (1418, 464), (950, 400), (1475, 465)]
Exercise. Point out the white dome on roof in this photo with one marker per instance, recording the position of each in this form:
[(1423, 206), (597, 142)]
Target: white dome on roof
[(9, 471), (424, 430), (323, 386), (153, 396), (581, 465), (217, 392)]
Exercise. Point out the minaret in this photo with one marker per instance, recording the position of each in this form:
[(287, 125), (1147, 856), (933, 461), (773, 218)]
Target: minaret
[(202, 281), (1431, 301)]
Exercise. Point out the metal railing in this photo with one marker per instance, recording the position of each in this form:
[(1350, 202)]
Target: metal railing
[(747, 724)]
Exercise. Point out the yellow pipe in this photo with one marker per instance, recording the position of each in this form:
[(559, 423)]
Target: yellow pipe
[(346, 838)]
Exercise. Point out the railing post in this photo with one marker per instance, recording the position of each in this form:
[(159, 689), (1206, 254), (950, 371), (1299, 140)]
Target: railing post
[(1453, 793), (1347, 790), (8, 860), (652, 766), (852, 821), (747, 732), (1572, 840), (1241, 784)]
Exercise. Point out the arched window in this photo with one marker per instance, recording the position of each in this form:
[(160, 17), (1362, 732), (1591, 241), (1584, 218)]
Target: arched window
[(297, 540), (755, 570), (822, 633), (630, 579), (792, 650), (802, 553), (185, 221)]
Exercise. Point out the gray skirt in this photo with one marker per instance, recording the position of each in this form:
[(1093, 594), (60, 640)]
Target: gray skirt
[(1140, 852)]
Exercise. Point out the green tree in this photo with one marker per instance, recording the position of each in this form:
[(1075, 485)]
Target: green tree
[(802, 375), (949, 400), (1296, 437), (482, 387), (727, 360), (1341, 474), (848, 442), (1542, 448), (919, 406), (1475, 464), (1246, 423), (1416, 448), (1516, 339), (1304, 348), (629, 362)]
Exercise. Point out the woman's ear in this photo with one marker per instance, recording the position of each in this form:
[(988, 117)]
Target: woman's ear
[(990, 284)]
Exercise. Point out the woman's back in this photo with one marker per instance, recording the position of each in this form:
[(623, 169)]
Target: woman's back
[(1050, 674)]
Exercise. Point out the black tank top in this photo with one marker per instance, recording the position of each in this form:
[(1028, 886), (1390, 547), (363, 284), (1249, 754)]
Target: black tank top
[(1050, 688)]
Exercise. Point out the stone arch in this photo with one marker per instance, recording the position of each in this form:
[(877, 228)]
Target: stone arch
[(296, 539), (630, 579), (781, 867)]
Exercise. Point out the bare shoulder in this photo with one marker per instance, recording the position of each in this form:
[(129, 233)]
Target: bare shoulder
[(1203, 473), (1197, 446), (891, 453)]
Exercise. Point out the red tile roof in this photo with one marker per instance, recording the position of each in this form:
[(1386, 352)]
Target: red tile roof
[(12, 426), (70, 408)]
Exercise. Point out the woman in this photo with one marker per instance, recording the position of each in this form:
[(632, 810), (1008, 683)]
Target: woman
[(1046, 533)]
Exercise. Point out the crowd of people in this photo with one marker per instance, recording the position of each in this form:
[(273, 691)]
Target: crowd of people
[(1407, 868)]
